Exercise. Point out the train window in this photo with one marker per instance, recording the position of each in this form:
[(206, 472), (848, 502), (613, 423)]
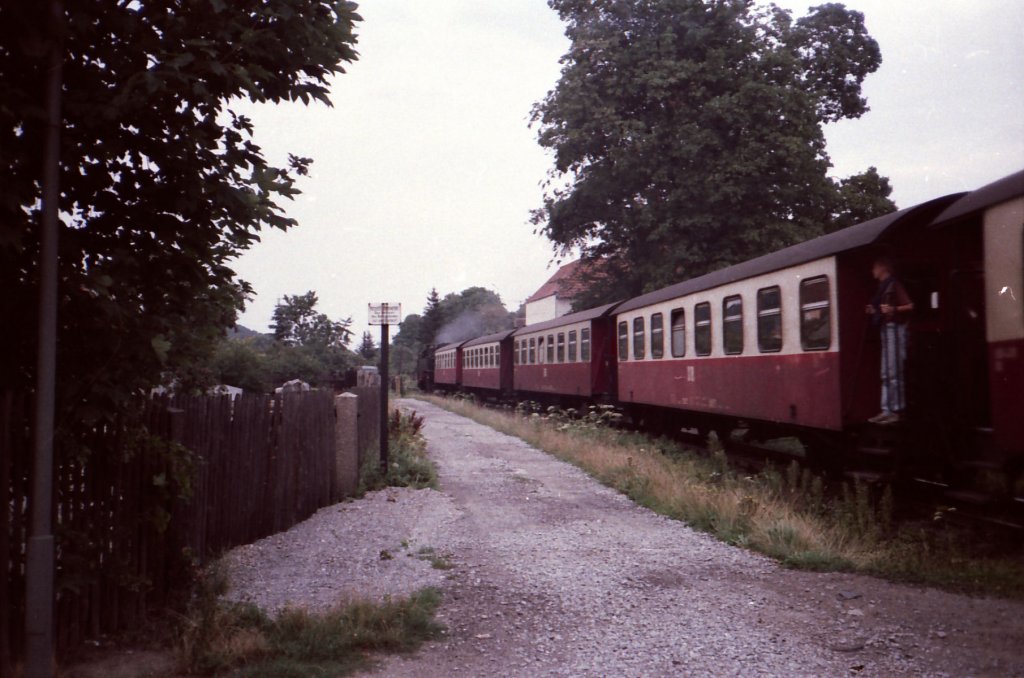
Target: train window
[(523, 355), (623, 340), (702, 328), (572, 346), (551, 348), (815, 314), (638, 338), (585, 344), (732, 325), (561, 347), (515, 352), (678, 319), (769, 319), (657, 335), (532, 351)]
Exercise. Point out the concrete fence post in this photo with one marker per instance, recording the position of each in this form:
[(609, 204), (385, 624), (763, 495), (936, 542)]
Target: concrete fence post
[(346, 444)]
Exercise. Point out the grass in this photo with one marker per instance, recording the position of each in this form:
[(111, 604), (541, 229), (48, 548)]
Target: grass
[(438, 561), (788, 514), (408, 465), (240, 640)]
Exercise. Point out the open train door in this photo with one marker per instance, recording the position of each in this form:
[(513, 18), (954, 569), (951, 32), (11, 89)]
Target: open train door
[(947, 379), (966, 358)]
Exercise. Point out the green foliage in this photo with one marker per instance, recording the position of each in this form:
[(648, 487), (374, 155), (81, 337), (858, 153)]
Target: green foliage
[(297, 323), (238, 362), (260, 364), (161, 182), (432, 320), (687, 135), (862, 197), (367, 348), (408, 465), (306, 345)]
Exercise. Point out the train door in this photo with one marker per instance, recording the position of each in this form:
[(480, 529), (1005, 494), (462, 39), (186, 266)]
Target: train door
[(967, 355), (948, 389)]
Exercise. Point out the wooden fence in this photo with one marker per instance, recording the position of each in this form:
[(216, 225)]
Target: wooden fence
[(369, 421), (131, 520)]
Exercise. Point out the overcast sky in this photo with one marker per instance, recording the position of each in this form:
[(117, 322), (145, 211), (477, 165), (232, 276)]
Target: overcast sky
[(425, 170)]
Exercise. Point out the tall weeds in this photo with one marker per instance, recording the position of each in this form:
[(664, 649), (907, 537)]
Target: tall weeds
[(408, 464)]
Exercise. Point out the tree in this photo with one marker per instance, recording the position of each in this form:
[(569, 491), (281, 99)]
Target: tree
[(473, 312), (162, 183), (367, 348), (431, 319), (296, 322), (687, 134), (308, 345), (861, 197), (239, 362), (409, 331)]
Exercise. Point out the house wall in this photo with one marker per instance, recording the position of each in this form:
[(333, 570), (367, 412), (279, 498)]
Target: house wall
[(546, 309)]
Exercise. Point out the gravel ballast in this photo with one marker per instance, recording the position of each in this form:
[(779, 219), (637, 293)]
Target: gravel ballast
[(555, 574)]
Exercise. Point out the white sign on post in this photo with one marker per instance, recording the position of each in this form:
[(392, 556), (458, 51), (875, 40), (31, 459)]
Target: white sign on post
[(385, 314)]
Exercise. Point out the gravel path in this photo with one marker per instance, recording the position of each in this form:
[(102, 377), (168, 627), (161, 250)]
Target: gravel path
[(557, 575)]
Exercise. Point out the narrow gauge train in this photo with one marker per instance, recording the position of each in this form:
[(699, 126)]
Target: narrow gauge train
[(781, 345)]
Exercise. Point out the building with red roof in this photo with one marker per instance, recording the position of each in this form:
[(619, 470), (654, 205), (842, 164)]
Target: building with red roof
[(555, 297)]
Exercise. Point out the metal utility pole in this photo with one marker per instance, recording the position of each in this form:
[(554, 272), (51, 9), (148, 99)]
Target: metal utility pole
[(385, 389), (384, 315), (40, 658)]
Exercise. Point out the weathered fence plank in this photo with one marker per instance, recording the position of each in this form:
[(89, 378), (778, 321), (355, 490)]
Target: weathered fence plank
[(368, 421)]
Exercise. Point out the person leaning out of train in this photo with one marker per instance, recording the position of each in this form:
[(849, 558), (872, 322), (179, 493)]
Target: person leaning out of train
[(889, 310)]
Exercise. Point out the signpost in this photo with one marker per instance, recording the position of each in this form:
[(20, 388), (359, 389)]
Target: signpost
[(384, 315)]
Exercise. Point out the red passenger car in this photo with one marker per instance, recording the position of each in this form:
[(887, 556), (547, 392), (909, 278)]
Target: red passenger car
[(567, 359), (448, 366), (487, 364), (782, 339)]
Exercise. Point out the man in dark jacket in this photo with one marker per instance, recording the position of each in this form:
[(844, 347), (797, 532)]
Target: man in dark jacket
[(889, 310)]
